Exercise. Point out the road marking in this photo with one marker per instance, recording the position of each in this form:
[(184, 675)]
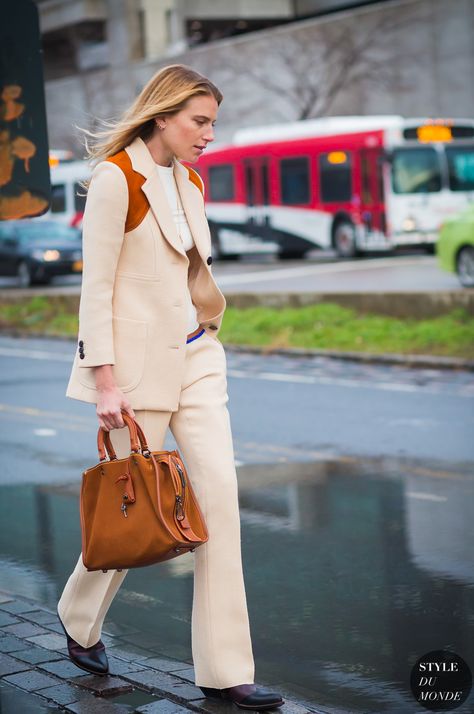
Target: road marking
[(35, 354), (426, 496), (344, 382), (414, 422), (68, 421), (268, 376), (274, 376), (34, 411), (243, 448), (278, 274)]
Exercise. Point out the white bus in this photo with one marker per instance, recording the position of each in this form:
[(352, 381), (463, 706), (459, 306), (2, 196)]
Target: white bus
[(67, 205)]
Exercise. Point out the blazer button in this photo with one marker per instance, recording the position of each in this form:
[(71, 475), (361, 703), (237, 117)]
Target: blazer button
[(209, 260), (213, 327), (82, 355), (81, 343)]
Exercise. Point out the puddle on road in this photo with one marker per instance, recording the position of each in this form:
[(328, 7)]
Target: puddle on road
[(353, 569)]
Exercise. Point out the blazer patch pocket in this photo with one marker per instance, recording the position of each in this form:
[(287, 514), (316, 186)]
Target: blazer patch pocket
[(130, 342)]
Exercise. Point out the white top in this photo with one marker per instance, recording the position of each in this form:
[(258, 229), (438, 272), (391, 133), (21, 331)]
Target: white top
[(167, 179)]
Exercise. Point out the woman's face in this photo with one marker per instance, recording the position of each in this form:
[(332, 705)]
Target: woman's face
[(187, 133)]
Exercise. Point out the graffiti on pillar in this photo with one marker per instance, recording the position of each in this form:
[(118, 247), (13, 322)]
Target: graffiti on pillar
[(17, 200)]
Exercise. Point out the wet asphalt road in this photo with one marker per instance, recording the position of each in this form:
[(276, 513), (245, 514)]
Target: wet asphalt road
[(356, 486), (282, 409)]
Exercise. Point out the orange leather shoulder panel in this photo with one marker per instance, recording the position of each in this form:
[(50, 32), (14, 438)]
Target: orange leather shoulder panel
[(137, 201), (196, 179)]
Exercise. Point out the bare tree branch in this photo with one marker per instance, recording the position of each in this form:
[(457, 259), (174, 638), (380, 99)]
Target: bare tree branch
[(309, 69)]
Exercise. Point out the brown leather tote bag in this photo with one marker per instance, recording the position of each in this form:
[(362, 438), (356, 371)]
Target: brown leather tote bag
[(137, 510)]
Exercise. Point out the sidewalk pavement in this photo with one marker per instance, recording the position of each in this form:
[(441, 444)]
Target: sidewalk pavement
[(37, 676)]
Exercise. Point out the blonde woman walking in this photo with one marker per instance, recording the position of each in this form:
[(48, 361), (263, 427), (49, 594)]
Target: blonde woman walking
[(149, 316)]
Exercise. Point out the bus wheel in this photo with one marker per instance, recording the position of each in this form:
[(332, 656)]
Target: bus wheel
[(344, 240), (23, 275), (465, 266)]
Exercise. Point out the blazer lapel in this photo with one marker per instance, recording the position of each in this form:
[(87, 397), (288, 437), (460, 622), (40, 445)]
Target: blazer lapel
[(155, 193), (191, 198), (193, 205)]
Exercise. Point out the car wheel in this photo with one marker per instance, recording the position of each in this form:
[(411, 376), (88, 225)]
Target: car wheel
[(344, 240), (465, 266), (23, 274)]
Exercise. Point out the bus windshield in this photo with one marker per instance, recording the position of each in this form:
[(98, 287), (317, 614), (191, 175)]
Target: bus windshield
[(416, 170), (461, 167)]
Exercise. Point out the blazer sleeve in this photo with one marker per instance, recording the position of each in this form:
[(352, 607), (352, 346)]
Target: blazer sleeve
[(103, 230)]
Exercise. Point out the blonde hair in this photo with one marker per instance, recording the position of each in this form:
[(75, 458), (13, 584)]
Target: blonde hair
[(165, 93)]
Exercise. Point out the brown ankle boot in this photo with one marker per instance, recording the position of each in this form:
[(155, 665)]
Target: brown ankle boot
[(92, 659), (246, 696)]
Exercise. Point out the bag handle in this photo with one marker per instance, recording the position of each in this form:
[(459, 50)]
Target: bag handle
[(172, 458), (104, 443), (142, 438)]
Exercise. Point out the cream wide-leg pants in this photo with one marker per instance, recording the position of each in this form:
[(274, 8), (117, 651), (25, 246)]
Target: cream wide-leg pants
[(221, 643)]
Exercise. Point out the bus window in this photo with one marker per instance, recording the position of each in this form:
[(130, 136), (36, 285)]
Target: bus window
[(461, 167), (416, 171), (221, 183), (365, 178), (335, 177), (265, 190), (249, 184), (58, 198), (79, 201), (294, 178)]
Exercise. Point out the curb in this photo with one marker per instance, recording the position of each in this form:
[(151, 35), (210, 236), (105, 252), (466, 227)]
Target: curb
[(37, 672), (409, 360), (418, 304)]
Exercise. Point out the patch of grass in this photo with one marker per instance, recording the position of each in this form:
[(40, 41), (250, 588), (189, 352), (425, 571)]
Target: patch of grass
[(323, 326), (330, 326), (39, 314)]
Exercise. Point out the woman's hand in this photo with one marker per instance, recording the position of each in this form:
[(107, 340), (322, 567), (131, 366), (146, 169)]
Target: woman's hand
[(111, 400)]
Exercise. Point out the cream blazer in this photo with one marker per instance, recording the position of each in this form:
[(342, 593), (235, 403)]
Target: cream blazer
[(132, 311)]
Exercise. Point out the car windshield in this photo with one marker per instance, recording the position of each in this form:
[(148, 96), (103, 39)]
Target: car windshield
[(45, 232), (416, 170), (461, 167)]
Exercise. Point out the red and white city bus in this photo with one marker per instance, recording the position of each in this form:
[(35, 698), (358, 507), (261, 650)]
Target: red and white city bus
[(68, 198), (354, 184)]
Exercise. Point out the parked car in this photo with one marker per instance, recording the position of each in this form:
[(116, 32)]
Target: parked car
[(35, 251), (455, 246)]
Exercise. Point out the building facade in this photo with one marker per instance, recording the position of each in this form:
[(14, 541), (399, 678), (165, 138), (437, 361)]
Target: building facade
[(275, 60)]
